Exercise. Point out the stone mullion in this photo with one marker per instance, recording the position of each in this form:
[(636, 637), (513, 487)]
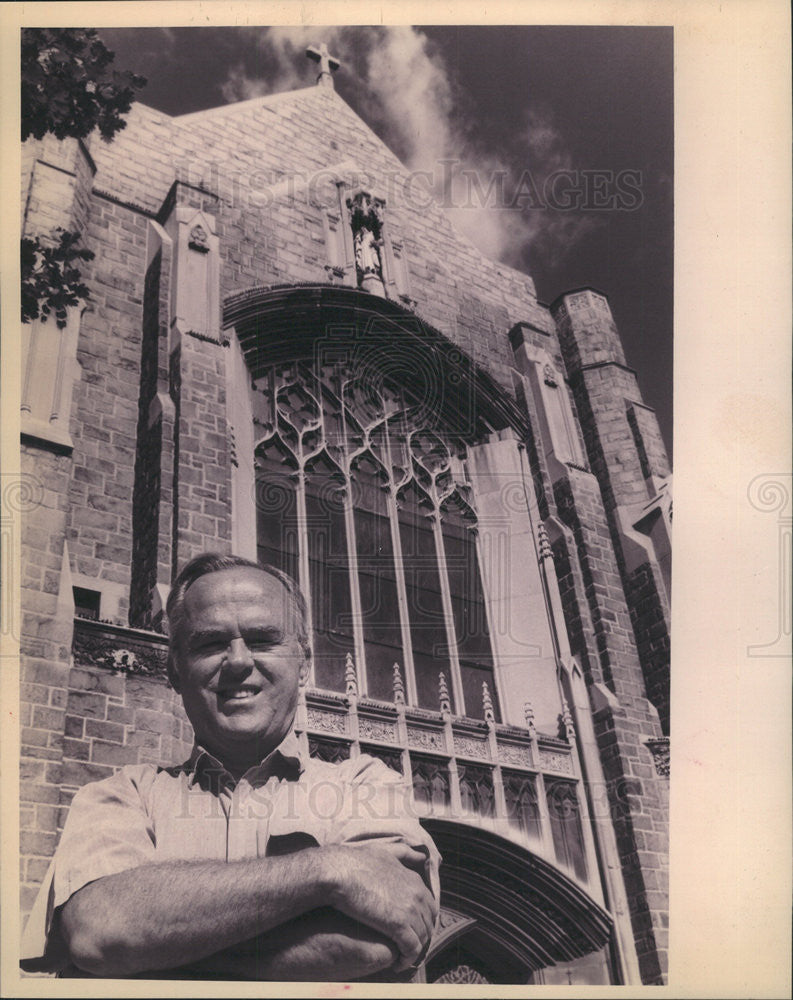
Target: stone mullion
[(165, 402), (499, 797), (304, 578), (402, 597), (355, 589), (30, 365), (489, 612), (546, 836), (580, 793), (67, 350), (448, 614)]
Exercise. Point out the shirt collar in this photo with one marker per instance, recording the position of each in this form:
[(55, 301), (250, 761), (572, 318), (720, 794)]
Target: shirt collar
[(286, 758)]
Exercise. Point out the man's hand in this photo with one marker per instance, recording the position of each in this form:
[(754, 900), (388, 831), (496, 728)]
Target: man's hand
[(380, 887)]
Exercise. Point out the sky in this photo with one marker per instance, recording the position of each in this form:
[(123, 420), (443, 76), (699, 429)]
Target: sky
[(551, 147)]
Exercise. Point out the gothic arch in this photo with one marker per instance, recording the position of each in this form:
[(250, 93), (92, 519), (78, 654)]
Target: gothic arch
[(288, 323), (510, 905)]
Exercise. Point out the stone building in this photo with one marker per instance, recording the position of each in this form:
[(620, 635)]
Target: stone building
[(289, 353)]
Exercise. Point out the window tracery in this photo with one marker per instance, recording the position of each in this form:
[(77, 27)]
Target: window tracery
[(372, 512)]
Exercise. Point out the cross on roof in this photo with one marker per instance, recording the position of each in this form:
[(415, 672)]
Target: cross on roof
[(327, 64)]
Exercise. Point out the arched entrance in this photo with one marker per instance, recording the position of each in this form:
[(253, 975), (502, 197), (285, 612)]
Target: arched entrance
[(506, 913)]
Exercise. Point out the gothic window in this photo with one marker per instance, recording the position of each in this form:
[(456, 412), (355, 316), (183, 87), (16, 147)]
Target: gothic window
[(332, 751), (430, 782), (462, 974), (566, 829), (391, 758), (476, 789), (49, 366), (372, 513), (520, 793)]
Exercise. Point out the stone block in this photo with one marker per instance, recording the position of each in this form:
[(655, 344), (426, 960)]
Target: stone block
[(37, 843), (29, 792), (96, 680), (111, 753), (88, 704), (48, 718), (153, 722), (76, 749), (80, 773), (110, 731)]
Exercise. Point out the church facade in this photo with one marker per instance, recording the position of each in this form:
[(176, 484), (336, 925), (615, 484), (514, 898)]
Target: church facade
[(288, 353)]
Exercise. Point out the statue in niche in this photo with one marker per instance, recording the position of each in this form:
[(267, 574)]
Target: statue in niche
[(367, 253), (199, 240), (366, 219)]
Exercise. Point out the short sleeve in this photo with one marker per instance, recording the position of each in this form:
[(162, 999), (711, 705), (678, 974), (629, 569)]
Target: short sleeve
[(379, 806), (108, 830)]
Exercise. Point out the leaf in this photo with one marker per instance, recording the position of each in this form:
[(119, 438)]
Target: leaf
[(50, 279), (66, 87)]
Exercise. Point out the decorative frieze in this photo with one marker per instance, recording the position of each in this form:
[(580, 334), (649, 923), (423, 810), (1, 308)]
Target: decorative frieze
[(471, 746), (561, 763), (370, 729), (122, 650), (426, 739), (327, 722), (514, 754)]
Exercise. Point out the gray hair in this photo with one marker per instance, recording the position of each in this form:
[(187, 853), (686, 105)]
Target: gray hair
[(214, 562)]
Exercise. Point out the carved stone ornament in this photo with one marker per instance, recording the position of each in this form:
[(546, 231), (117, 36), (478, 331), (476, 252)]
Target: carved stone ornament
[(110, 647), (562, 763), (517, 756), (425, 739), (350, 677), (660, 751), (462, 974), (544, 546), (399, 687), (366, 220), (471, 747), (449, 918), (327, 722), (199, 239), (385, 732), (329, 750), (578, 301), (549, 376)]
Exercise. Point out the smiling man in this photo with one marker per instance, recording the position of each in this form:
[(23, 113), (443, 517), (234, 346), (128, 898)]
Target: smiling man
[(250, 860)]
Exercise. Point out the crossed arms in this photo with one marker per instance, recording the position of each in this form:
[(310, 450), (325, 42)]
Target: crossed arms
[(337, 912)]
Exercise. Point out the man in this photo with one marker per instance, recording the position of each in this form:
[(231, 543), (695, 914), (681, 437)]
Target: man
[(249, 861)]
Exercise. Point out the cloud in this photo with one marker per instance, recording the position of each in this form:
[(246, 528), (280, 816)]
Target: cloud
[(238, 86), (403, 89)]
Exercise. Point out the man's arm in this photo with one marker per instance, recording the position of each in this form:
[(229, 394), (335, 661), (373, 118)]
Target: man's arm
[(322, 946), (161, 916)]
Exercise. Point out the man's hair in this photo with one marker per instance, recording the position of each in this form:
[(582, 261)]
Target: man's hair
[(214, 562)]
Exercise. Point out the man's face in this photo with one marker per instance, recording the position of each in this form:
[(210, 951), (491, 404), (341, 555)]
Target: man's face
[(239, 664)]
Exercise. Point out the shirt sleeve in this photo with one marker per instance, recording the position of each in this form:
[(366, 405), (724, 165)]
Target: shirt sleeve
[(379, 806), (107, 831)]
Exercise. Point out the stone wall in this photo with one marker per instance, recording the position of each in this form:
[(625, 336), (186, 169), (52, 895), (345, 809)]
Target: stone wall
[(82, 722), (627, 455)]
